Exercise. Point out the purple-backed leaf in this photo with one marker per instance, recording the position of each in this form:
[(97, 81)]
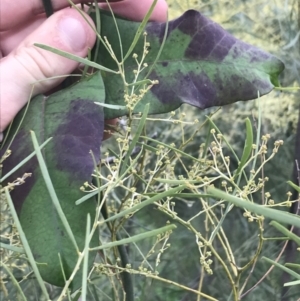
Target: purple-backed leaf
[(201, 64), (76, 125)]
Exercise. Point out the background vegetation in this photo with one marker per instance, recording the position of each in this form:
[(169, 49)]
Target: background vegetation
[(273, 26)]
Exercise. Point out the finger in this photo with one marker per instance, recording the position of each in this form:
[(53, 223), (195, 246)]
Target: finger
[(13, 12), (11, 39), (136, 10), (65, 30)]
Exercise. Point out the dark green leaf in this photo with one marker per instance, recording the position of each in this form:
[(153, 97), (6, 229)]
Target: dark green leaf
[(76, 124), (201, 64), (247, 147)]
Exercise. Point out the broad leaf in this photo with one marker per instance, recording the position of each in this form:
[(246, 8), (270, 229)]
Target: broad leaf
[(76, 125), (201, 64)]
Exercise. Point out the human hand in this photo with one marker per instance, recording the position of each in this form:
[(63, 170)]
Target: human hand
[(22, 64)]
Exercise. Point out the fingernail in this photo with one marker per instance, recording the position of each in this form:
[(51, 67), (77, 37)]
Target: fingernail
[(73, 33)]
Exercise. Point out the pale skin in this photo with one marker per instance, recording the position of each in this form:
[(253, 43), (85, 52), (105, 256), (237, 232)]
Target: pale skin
[(23, 23)]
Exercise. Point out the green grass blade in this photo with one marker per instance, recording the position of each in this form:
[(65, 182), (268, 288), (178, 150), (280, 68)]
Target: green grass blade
[(129, 167), (98, 28), (13, 279), (135, 138), (20, 123), (91, 194), (98, 181), (75, 58), (51, 189), (187, 195), (110, 106), (23, 162), (292, 283), (25, 244), (140, 252), (176, 182), (86, 259), (296, 187), (88, 196), (117, 29), (247, 147), (207, 140), (148, 147), (140, 30), (77, 296), (160, 48), (11, 248), (286, 232), (258, 132), (136, 238), (287, 270), (157, 197), (3, 142), (280, 216), (63, 273), (293, 265), (141, 82)]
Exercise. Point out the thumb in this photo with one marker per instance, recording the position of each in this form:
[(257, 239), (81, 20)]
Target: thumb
[(27, 64)]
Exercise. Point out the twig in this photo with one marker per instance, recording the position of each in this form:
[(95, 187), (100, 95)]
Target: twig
[(136, 150), (266, 274)]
